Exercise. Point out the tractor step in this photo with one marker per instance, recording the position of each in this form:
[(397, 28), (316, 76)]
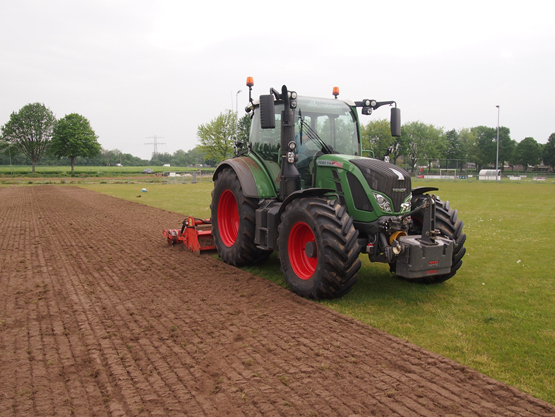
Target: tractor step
[(195, 234)]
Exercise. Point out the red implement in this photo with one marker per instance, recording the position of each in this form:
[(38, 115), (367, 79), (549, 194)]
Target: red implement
[(196, 235)]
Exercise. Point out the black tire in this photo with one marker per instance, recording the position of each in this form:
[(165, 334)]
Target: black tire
[(450, 227), (318, 248), (233, 222)]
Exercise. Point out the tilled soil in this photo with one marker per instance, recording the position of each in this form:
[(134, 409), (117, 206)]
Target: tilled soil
[(98, 316)]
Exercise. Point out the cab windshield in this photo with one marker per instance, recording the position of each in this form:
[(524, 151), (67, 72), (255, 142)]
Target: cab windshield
[(333, 122)]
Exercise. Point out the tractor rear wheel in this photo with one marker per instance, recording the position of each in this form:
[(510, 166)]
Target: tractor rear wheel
[(318, 248), (233, 221), (450, 227)]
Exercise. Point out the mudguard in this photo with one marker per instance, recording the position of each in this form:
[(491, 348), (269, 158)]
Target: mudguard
[(308, 192), (254, 180), (422, 190)]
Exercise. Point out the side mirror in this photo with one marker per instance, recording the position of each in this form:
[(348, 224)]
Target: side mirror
[(395, 122), (267, 112)]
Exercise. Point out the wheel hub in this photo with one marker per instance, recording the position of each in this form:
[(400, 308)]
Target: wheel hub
[(310, 249)]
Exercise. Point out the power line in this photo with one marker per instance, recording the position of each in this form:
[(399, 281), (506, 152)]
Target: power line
[(155, 143)]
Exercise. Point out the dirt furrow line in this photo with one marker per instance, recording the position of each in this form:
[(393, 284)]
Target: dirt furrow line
[(66, 353), (57, 355), (7, 317), (66, 347), (81, 306), (105, 350), (9, 220), (18, 269)]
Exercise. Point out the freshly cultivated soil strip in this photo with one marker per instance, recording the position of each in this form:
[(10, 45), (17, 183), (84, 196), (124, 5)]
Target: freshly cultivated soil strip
[(98, 316)]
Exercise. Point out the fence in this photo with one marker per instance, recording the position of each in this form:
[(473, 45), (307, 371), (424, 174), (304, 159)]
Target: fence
[(509, 178)]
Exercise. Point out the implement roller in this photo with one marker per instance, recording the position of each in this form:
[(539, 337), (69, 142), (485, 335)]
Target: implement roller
[(195, 234)]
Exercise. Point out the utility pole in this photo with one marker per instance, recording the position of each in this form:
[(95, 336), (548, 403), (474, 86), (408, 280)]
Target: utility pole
[(155, 143)]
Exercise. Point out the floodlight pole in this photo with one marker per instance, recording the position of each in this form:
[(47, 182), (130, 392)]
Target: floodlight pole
[(497, 157), (237, 103)]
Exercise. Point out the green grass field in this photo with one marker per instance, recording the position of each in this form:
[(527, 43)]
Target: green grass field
[(497, 315)]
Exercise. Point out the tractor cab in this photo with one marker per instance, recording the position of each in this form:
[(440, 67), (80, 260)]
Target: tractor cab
[(322, 127)]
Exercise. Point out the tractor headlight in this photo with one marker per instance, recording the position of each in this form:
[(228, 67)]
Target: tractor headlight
[(406, 204), (383, 201)]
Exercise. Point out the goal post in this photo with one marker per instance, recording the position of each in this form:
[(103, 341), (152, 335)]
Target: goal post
[(448, 173)]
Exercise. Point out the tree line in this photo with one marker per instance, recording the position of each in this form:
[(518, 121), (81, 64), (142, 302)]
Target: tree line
[(477, 145), (179, 158), (34, 136)]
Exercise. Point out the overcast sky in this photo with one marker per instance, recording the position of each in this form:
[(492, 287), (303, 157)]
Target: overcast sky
[(138, 69)]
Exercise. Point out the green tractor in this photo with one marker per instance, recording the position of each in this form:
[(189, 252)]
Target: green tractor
[(301, 187)]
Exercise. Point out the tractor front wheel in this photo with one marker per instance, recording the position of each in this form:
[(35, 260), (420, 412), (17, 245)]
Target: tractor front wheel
[(233, 222), (318, 248)]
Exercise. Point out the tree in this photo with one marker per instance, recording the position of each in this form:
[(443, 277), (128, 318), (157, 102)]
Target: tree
[(194, 156), (376, 137), (30, 130), (434, 144), (528, 152), (413, 133), (507, 146), (486, 147), (161, 159), (244, 128), (468, 144), (217, 137), (454, 151), (511, 159), (423, 142), (548, 151), (73, 137)]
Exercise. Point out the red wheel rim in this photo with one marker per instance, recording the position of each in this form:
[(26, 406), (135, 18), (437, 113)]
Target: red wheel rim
[(302, 265), (228, 218)]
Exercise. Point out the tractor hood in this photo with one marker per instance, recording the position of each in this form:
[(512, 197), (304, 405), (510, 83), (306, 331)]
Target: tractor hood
[(385, 178)]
